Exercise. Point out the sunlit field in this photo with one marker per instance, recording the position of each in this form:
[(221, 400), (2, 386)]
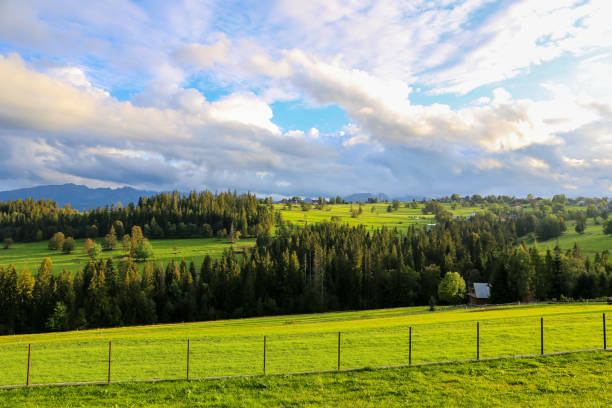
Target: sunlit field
[(592, 240), (372, 216), (31, 254), (300, 343), (576, 380)]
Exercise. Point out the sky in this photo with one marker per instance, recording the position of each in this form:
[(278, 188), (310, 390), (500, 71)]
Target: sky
[(318, 97)]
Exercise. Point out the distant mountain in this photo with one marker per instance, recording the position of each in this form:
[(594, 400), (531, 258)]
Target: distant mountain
[(363, 197), (408, 198), (79, 197)]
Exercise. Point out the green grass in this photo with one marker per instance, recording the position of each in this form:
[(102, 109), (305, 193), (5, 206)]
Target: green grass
[(572, 380), (31, 254), (299, 343), (400, 219), (592, 240)]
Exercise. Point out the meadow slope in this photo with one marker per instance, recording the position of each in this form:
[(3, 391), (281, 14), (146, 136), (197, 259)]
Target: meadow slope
[(572, 380), (300, 343), (31, 254)]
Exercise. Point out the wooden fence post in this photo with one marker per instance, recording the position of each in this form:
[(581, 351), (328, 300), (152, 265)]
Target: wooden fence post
[(604, 330), (410, 346), (28, 374), (477, 340), (110, 349), (541, 335), (188, 359), (264, 356), (339, 334)]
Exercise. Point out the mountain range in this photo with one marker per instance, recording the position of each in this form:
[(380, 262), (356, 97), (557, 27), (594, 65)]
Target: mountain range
[(83, 198), (79, 197)]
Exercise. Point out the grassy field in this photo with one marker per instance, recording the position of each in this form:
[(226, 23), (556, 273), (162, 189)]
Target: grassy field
[(300, 343), (573, 380), (31, 254), (592, 240), (400, 219)]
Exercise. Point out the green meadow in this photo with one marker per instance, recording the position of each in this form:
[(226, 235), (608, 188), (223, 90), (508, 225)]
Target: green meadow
[(592, 240), (373, 215), (31, 254), (571, 380), (300, 343)]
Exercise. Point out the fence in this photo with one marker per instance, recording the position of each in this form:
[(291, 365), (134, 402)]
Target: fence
[(98, 360)]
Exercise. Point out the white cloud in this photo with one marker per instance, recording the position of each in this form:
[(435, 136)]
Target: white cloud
[(313, 133), (244, 108), (488, 164), (385, 113), (294, 133), (71, 131), (522, 35), (363, 56), (501, 96), (483, 100), (204, 56), (537, 163)]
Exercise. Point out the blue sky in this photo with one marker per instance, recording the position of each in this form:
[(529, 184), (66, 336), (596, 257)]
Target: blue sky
[(321, 97)]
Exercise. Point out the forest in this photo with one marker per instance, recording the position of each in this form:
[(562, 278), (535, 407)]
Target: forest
[(318, 267), (165, 215)]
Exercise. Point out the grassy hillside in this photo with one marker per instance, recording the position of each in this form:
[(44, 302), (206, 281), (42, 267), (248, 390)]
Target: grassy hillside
[(31, 254), (300, 343), (592, 240), (401, 218), (576, 380)]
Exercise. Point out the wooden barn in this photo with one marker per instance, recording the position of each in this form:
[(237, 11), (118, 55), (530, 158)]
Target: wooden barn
[(479, 293)]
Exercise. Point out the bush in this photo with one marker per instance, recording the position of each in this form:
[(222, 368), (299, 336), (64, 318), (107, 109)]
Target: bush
[(110, 241), (57, 241), (95, 251), (143, 250), (550, 227), (69, 245), (87, 246), (7, 243), (452, 288)]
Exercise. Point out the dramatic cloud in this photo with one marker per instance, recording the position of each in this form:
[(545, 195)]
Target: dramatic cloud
[(424, 97)]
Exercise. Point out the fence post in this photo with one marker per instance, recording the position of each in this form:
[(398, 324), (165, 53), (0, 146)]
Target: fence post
[(187, 359), (110, 348), (541, 335), (264, 356), (410, 346), (604, 330), (28, 374), (339, 333), (477, 340)]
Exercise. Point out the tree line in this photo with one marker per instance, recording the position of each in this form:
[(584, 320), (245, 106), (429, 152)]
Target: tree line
[(316, 268), (165, 215)]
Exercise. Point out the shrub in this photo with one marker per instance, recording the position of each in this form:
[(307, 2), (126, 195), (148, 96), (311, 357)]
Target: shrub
[(7, 243), (69, 245), (57, 241)]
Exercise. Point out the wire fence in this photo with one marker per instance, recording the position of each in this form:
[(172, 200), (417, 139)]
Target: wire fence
[(126, 359)]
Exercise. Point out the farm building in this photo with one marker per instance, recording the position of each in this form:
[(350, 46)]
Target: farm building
[(479, 293)]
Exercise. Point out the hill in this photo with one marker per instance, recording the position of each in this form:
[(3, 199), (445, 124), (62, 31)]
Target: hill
[(579, 379), (363, 197), (79, 197), (299, 343)]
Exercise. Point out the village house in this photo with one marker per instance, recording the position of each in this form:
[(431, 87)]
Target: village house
[(479, 294)]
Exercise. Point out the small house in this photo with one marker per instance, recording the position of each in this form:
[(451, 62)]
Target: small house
[(479, 293)]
